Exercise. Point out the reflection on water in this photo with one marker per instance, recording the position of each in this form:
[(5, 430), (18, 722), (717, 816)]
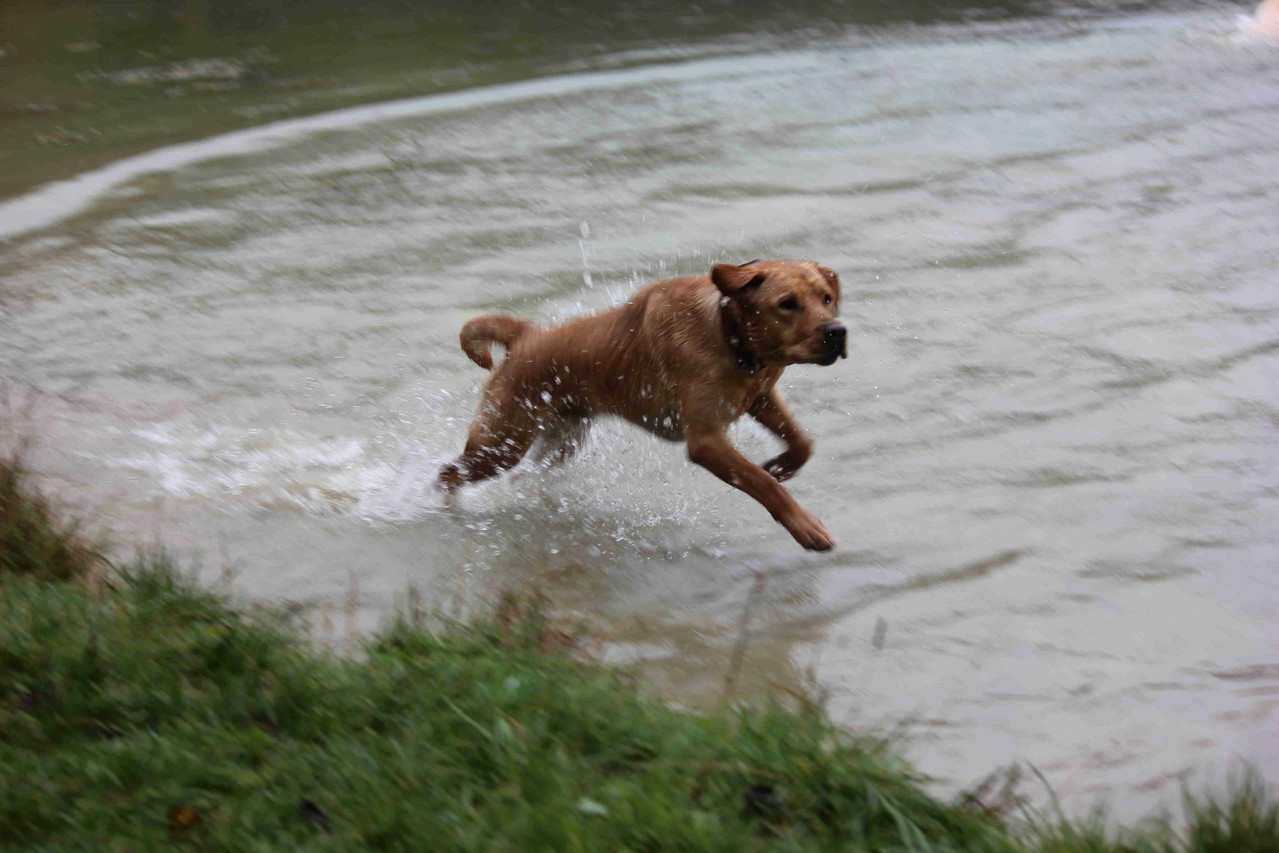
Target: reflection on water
[(1050, 460)]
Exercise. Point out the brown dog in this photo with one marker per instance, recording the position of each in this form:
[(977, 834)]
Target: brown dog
[(683, 359)]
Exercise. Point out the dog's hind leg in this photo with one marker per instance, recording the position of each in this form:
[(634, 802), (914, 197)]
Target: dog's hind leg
[(495, 443), (561, 439)]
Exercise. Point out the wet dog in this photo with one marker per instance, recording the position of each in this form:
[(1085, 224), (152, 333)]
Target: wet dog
[(683, 359)]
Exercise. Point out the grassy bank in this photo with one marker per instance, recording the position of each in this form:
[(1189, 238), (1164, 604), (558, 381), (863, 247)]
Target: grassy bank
[(138, 710)]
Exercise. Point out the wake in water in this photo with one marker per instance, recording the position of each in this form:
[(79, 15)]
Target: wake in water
[(621, 487)]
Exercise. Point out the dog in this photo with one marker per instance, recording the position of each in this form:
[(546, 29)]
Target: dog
[(684, 358)]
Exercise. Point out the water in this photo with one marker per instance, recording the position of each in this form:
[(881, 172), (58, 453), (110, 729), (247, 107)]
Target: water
[(1049, 462)]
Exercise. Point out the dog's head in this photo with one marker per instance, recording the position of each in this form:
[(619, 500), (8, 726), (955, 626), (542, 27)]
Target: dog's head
[(785, 310)]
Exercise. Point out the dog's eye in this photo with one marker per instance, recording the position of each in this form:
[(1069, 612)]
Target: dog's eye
[(790, 303), (826, 299)]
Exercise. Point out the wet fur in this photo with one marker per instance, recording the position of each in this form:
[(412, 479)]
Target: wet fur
[(683, 359)]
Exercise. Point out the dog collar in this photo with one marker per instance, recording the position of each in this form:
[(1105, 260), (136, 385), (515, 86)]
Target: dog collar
[(746, 361)]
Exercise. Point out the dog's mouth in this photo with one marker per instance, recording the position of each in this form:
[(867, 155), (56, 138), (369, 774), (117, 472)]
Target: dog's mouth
[(834, 342), (834, 352), (824, 350)]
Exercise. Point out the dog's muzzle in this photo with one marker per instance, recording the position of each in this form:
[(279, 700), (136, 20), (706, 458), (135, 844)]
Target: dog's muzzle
[(835, 340)]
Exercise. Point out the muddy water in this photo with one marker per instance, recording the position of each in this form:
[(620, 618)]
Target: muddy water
[(1050, 462)]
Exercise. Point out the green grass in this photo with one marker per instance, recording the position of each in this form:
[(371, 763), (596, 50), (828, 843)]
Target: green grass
[(34, 537), (141, 712)]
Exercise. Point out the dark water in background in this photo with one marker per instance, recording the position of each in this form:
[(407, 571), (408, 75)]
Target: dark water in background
[(85, 82), (1050, 462)]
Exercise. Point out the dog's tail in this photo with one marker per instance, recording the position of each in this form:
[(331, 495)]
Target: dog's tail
[(479, 334)]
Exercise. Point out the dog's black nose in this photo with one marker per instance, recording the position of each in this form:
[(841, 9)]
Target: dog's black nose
[(835, 337)]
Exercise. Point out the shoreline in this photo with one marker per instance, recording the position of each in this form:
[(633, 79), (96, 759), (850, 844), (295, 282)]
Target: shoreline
[(55, 263), (151, 710)]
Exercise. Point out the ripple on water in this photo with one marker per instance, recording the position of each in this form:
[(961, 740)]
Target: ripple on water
[(1049, 461)]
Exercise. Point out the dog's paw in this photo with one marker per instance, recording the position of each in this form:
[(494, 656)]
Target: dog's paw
[(780, 468), (809, 531), (787, 465), (449, 479)]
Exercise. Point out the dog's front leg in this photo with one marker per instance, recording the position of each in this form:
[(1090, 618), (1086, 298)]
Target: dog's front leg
[(772, 413), (711, 449)]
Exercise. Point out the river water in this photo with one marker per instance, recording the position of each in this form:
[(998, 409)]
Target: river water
[(1050, 461)]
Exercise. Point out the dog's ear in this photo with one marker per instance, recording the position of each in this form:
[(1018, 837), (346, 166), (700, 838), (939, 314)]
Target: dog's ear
[(831, 277), (736, 281)]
